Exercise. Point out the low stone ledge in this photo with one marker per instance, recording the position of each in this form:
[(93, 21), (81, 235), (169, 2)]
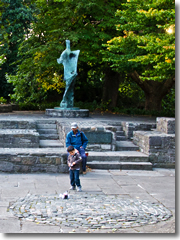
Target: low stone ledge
[(19, 138), (33, 160), (17, 124)]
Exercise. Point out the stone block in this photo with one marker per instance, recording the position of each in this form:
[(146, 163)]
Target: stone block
[(52, 168), (47, 160), (22, 168), (29, 160), (15, 159), (99, 137), (64, 159), (166, 125), (155, 141), (6, 166), (58, 161)]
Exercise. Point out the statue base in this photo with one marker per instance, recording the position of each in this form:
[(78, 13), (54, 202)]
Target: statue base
[(67, 112), (71, 108)]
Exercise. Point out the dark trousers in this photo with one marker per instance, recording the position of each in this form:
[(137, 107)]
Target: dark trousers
[(74, 178), (84, 158)]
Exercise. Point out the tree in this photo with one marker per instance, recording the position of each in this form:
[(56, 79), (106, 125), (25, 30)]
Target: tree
[(145, 47), (15, 20), (87, 24)]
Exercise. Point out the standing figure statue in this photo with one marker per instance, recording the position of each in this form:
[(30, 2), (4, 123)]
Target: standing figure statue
[(69, 60)]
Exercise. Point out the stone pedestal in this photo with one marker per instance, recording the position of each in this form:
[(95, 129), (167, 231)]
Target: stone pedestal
[(67, 112)]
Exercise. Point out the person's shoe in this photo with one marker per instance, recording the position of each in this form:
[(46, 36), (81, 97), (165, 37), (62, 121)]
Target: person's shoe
[(72, 188), (84, 172), (79, 189)]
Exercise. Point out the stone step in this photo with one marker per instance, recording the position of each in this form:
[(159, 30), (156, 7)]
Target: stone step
[(50, 144), (120, 133), (119, 156), (53, 159), (48, 136), (121, 138), (45, 121), (46, 126), (47, 131), (126, 146), (119, 128), (120, 165)]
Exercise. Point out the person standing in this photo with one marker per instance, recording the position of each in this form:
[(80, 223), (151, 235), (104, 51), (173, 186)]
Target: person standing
[(74, 160), (79, 141)]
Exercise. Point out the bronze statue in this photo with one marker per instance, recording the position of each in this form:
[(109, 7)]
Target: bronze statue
[(69, 60)]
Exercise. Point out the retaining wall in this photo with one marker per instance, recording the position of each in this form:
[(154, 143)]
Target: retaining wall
[(19, 138), (31, 160), (159, 145)]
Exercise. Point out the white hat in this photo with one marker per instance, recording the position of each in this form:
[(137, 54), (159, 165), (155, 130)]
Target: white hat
[(74, 125)]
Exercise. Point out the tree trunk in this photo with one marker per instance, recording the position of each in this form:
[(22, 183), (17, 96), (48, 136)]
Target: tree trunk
[(154, 91), (110, 87)]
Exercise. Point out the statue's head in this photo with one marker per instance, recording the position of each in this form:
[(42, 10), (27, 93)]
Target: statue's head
[(68, 44)]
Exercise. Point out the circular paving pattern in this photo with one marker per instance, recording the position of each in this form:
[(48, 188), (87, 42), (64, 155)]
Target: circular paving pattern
[(89, 211)]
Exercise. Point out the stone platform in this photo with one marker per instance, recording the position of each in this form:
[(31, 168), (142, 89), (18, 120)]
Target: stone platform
[(19, 138), (67, 113)]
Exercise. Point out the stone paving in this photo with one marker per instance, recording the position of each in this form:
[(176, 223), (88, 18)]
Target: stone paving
[(90, 211), (127, 201)]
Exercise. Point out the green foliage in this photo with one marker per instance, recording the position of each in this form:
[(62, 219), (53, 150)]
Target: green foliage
[(145, 47), (3, 100), (15, 19), (146, 41), (26, 89)]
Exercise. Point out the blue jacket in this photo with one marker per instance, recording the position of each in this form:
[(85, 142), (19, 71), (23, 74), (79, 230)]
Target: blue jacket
[(75, 140)]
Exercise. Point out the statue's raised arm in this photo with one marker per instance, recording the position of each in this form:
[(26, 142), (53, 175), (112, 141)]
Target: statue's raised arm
[(69, 60)]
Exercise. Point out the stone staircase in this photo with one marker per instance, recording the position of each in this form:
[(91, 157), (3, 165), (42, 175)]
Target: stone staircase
[(48, 135), (51, 156), (125, 160), (120, 135), (126, 157)]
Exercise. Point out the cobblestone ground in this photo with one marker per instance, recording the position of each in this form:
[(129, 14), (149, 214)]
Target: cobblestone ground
[(89, 211)]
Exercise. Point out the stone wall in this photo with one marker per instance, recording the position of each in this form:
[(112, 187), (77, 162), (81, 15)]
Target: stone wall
[(18, 134), (159, 145), (17, 124), (19, 138), (33, 160)]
